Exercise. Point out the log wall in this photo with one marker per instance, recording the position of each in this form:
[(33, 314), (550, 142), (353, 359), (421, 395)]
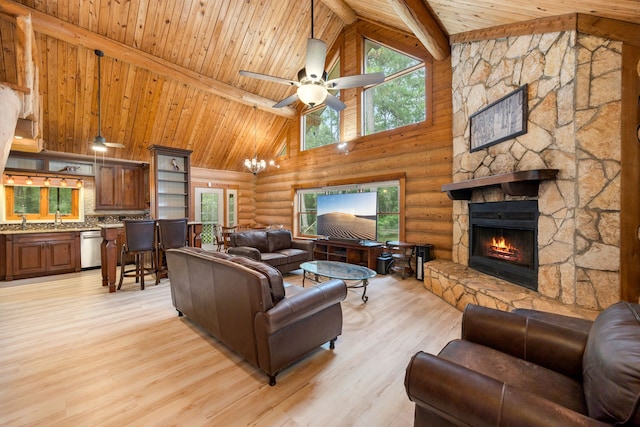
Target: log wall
[(422, 153)]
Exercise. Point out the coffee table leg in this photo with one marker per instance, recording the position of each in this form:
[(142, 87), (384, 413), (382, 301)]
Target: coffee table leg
[(365, 298)]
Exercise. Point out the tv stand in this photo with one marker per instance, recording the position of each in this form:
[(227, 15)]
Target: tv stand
[(350, 252)]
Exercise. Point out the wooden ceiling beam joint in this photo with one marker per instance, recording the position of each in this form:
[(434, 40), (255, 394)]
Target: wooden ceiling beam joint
[(423, 25)]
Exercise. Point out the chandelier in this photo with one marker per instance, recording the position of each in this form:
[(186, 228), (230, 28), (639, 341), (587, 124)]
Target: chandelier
[(254, 165)]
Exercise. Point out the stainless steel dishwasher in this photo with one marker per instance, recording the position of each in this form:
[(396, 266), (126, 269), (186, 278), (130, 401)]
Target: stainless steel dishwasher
[(90, 248)]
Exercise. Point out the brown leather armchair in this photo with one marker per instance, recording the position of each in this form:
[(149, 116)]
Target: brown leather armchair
[(246, 305), (531, 368)]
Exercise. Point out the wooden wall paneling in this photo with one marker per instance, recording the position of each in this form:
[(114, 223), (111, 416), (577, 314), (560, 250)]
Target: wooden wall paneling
[(423, 152), (8, 39), (630, 176)]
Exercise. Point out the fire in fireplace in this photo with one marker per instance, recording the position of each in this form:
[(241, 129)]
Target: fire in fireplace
[(503, 240)]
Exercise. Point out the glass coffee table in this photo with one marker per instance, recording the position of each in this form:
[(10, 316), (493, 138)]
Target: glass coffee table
[(314, 270)]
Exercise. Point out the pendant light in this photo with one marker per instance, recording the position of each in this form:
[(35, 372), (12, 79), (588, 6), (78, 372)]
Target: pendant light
[(254, 165)]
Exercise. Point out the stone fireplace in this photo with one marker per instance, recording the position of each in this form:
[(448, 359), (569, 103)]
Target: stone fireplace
[(573, 126)]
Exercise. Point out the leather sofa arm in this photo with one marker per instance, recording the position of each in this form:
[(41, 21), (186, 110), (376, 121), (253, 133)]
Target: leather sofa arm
[(465, 397), (305, 245), (554, 346), (303, 304), (245, 251)]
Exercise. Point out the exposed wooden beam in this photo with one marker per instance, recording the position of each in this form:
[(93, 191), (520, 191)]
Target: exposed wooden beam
[(424, 26), (61, 30), (342, 9)]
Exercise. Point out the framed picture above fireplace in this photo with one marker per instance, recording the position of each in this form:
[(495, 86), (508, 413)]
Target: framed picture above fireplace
[(504, 119)]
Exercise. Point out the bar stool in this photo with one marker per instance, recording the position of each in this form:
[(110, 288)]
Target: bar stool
[(226, 236), (139, 239), (402, 254), (172, 234)]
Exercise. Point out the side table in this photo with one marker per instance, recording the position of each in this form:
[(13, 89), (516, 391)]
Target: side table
[(402, 253)]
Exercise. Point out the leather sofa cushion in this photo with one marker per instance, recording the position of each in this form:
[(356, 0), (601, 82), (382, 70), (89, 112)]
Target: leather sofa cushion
[(517, 373), (278, 240), (253, 239), (295, 255), (611, 365), (272, 275), (274, 259)]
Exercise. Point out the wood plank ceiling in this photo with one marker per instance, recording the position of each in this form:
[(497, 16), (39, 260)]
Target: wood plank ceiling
[(207, 43)]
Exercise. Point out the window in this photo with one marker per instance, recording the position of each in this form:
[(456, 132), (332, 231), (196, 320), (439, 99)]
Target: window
[(321, 124), (388, 208), (41, 202), (401, 99)]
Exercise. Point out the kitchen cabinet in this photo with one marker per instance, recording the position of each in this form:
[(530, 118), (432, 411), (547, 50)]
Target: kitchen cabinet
[(120, 187), (169, 179), (41, 254)]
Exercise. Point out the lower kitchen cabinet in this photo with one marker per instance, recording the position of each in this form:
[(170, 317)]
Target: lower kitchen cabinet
[(41, 254)]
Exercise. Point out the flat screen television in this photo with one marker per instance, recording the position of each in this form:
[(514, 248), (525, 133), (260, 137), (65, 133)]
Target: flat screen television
[(348, 216)]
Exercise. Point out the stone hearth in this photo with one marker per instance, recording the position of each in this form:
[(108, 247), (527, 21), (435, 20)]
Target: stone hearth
[(460, 285)]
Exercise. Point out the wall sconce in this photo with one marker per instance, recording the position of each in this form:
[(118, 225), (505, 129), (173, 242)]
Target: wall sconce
[(344, 147), (274, 164), (10, 179), (79, 183), (29, 181), (63, 182), (47, 182)]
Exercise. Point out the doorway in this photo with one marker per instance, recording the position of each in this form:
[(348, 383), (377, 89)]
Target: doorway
[(210, 212)]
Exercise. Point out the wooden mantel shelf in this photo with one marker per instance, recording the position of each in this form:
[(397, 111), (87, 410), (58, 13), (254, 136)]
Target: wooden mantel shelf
[(522, 183)]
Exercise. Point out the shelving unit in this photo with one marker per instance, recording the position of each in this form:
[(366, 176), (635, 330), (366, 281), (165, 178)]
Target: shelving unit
[(352, 253), (170, 182)]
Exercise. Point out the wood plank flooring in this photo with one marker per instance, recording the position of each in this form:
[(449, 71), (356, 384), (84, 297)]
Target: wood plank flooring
[(74, 355)]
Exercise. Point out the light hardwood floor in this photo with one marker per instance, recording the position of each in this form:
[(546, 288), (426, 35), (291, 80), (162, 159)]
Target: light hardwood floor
[(74, 355)]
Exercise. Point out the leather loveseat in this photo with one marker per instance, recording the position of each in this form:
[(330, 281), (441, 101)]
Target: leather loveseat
[(274, 247), (246, 305), (531, 368)]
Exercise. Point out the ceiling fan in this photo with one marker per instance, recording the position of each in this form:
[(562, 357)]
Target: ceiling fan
[(99, 143), (313, 86)]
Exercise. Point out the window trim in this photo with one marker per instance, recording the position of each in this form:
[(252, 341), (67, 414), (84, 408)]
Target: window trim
[(44, 215), (428, 86), (365, 182)]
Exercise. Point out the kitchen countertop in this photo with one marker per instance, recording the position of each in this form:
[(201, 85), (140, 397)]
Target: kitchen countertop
[(50, 230)]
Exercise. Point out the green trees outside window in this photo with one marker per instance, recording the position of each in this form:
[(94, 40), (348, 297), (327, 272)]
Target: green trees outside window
[(401, 99)]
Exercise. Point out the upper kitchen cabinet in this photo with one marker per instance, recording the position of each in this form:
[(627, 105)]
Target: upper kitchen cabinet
[(120, 186), (169, 179)]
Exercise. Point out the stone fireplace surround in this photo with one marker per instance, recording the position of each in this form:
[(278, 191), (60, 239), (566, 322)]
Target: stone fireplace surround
[(573, 126)]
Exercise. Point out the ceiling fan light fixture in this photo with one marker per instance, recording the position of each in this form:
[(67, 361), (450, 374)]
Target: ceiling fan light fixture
[(312, 94)]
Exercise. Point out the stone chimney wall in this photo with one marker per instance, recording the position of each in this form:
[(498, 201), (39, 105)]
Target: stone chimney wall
[(573, 125)]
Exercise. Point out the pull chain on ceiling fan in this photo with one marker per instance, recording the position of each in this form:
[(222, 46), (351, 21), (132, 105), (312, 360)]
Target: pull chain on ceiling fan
[(313, 88), (99, 143)]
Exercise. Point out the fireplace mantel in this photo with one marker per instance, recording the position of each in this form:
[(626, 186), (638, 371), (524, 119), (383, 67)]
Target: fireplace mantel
[(522, 183)]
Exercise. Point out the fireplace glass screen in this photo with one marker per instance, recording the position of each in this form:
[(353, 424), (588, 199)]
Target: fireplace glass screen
[(503, 240), (507, 245)]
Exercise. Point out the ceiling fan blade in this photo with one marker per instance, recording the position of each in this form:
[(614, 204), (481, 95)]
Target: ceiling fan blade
[(289, 100), (355, 81), (114, 144), (316, 54), (268, 78), (334, 103)]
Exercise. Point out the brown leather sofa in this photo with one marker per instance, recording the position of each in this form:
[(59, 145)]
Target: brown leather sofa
[(531, 368), (275, 247), (246, 305)]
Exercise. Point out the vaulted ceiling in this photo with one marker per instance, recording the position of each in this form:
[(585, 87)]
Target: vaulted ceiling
[(170, 70)]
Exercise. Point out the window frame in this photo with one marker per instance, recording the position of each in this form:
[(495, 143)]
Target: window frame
[(338, 188), (423, 63), (43, 215)]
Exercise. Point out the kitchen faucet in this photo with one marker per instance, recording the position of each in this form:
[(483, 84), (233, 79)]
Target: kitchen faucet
[(57, 219), (24, 221)]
